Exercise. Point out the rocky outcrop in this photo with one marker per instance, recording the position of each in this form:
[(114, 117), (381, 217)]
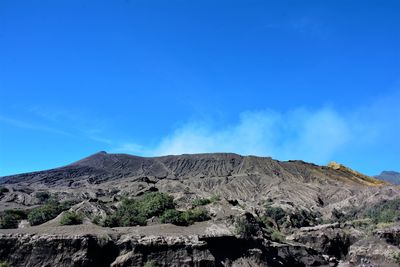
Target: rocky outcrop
[(372, 252), (132, 250), (391, 235), (329, 239)]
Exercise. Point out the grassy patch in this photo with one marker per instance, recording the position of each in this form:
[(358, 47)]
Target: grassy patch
[(205, 201), (200, 202)]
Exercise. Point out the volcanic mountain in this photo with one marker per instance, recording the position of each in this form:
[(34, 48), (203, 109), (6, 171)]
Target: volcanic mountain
[(389, 176), (248, 179), (269, 195)]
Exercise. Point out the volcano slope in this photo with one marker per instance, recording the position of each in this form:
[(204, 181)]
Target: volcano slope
[(197, 210)]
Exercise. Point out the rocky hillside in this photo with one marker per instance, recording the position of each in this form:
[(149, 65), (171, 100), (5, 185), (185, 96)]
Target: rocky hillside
[(193, 210)]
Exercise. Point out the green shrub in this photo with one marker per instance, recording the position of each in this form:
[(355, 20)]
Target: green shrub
[(277, 236), (112, 220), (338, 216), (154, 204), (196, 215), (175, 217), (303, 218), (67, 204), (136, 211), (205, 201), (127, 214), (200, 202), (71, 218), (44, 213), (277, 214), (184, 218), (215, 198), (4, 264), (132, 219), (42, 196), (10, 218), (97, 220), (384, 212), (48, 211), (245, 229)]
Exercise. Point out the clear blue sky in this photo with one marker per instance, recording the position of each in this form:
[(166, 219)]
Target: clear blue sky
[(311, 80)]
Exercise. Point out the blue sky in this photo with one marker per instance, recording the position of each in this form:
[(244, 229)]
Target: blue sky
[(311, 80)]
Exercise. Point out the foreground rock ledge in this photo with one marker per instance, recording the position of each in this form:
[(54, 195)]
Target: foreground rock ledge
[(203, 244)]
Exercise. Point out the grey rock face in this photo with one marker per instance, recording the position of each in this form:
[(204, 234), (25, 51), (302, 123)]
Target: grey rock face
[(132, 250)]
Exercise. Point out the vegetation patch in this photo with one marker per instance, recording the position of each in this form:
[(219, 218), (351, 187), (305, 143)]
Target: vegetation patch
[(277, 236), (71, 218), (387, 211), (9, 219), (277, 217), (200, 202), (205, 201), (184, 218), (136, 211), (48, 211), (384, 212), (304, 218), (245, 228), (42, 196)]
